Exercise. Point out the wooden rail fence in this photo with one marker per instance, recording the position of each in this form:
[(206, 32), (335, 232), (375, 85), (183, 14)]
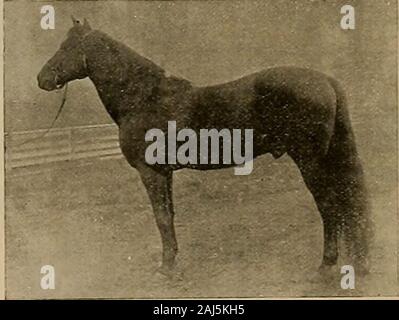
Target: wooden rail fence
[(73, 143)]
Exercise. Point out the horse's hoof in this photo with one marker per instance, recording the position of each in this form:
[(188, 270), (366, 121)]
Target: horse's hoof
[(169, 273), (166, 271), (328, 269), (324, 274)]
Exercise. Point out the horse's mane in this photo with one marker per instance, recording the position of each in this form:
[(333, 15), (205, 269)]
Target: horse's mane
[(131, 59), (129, 53)]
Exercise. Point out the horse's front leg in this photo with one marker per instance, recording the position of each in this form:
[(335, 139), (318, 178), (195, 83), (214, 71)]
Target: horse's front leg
[(159, 189)]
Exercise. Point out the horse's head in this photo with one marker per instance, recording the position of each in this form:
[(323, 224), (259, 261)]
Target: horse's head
[(69, 62)]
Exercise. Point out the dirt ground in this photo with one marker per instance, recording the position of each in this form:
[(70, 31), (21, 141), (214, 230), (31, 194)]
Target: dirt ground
[(239, 236)]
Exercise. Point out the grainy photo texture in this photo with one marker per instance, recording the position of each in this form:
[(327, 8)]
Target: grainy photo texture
[(183, 149)]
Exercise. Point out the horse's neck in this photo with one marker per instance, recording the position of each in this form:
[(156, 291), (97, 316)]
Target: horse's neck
[(125, 81)]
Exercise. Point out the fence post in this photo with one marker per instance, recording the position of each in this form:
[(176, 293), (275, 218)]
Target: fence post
[(70, 137)]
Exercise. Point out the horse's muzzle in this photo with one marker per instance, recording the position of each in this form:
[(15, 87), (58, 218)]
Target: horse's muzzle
[(47, 85), (47, 80)]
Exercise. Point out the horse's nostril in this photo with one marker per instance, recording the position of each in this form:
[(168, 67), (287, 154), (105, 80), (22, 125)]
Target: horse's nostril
[(46, 84)]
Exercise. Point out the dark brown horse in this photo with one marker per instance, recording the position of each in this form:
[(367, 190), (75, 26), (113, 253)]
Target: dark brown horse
[(296, 111)]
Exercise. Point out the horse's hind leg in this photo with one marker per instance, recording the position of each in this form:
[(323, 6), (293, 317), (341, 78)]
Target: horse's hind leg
[(159, 189), (317, 180)]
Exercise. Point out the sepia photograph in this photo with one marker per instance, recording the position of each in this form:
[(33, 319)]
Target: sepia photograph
[(200, 149)]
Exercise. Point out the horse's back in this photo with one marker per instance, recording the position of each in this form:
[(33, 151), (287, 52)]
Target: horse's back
[(290, 90), (287, 105), (301, 84)]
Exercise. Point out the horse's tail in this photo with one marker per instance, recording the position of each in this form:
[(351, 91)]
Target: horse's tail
[(348, 182)]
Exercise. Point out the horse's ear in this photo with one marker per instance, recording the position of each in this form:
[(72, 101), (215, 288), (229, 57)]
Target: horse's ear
[(74, 20), (86, 24)]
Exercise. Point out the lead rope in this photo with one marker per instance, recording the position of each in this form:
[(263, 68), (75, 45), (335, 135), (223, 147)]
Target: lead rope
[(64, 96)]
